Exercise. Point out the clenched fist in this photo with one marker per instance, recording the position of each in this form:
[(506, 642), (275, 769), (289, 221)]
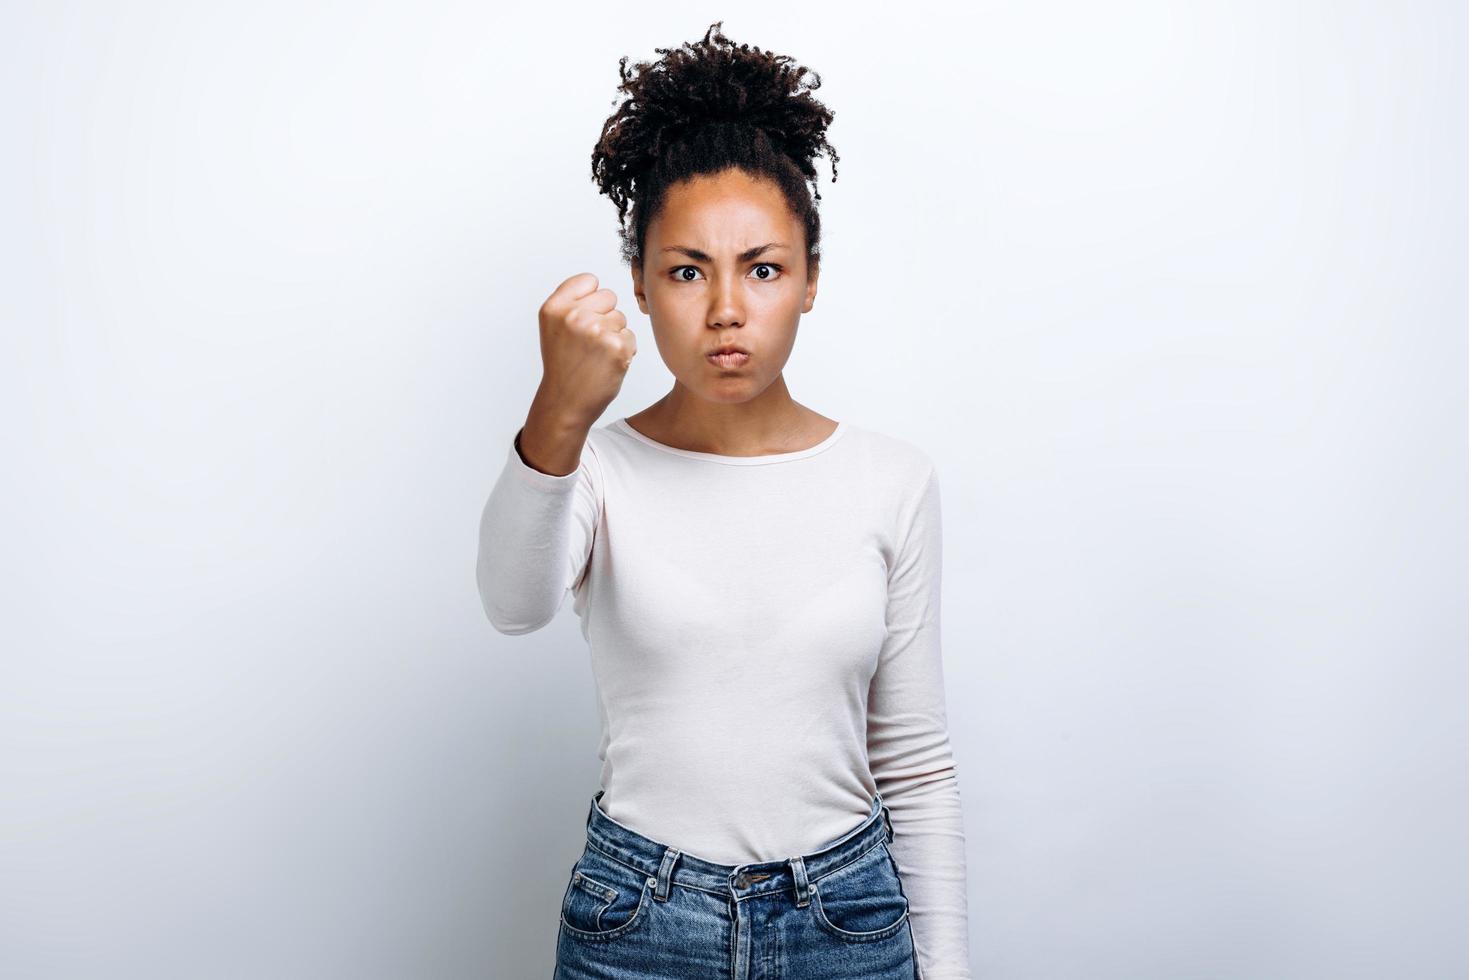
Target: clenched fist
[(586, 349)]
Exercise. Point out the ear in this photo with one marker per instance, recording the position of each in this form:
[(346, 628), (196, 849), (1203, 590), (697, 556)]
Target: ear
[(637, 286), (811, 287)]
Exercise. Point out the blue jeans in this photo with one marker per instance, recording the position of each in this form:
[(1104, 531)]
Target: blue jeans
[(639, 909)]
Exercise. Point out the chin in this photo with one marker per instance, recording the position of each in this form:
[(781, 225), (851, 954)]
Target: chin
[(732, 391)]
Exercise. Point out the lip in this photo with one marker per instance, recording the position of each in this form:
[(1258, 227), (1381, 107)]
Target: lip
[(732, 359)]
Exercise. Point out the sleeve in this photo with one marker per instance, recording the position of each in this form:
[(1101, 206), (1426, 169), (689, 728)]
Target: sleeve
[(535, 538), (908, 747)]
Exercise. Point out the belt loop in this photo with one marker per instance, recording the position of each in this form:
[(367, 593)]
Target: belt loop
[(887, 818), (665, 874), (803, 893)]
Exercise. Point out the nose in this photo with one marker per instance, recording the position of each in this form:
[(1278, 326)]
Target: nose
[(724, 307)]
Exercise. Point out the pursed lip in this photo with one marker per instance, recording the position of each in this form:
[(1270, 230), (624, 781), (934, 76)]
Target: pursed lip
[(728, 349)]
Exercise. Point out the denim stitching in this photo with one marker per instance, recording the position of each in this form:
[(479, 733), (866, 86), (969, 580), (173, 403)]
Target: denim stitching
[(849, 863), (673, 879), (871, 935), (615, 932)]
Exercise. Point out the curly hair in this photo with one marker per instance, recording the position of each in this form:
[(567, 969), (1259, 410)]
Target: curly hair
[(703, 108)]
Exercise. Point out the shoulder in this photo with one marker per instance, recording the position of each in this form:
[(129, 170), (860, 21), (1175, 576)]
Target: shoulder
[(596, 452), (600, 435), (903, 478), (905, 489), (895, 459)]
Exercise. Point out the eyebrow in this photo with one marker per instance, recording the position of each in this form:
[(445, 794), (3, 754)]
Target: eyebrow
[(744, 256)]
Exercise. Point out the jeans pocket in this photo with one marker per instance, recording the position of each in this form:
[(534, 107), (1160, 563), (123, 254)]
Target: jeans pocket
[(863, 901), (604, 899)]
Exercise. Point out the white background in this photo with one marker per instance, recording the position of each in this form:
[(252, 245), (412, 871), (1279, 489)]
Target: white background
[(1171, 293)]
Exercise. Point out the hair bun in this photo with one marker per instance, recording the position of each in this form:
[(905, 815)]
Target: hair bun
[(705, 106), (702, 85)]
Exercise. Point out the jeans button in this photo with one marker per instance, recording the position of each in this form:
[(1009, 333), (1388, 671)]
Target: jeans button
[(743, 881)]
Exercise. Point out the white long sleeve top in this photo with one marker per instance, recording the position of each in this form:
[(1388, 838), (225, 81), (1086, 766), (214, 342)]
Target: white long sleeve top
[(764, 639)]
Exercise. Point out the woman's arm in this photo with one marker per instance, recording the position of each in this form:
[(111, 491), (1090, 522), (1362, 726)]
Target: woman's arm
[(908, 746), (536, 534)]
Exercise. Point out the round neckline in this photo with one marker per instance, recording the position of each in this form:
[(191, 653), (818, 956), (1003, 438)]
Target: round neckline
[(623, 426)]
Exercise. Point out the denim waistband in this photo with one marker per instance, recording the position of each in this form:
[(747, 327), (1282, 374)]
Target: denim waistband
[(666, 865)]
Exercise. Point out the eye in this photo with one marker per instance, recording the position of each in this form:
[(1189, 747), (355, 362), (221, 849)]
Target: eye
[(677, 272)]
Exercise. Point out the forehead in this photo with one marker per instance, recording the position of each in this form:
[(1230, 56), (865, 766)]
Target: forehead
[(727, 212)]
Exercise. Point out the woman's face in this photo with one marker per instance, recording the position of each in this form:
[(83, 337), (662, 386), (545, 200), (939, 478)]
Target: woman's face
[(724, 263)]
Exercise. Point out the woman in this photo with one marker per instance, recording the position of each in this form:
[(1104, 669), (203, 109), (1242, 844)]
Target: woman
[(758, 583)]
